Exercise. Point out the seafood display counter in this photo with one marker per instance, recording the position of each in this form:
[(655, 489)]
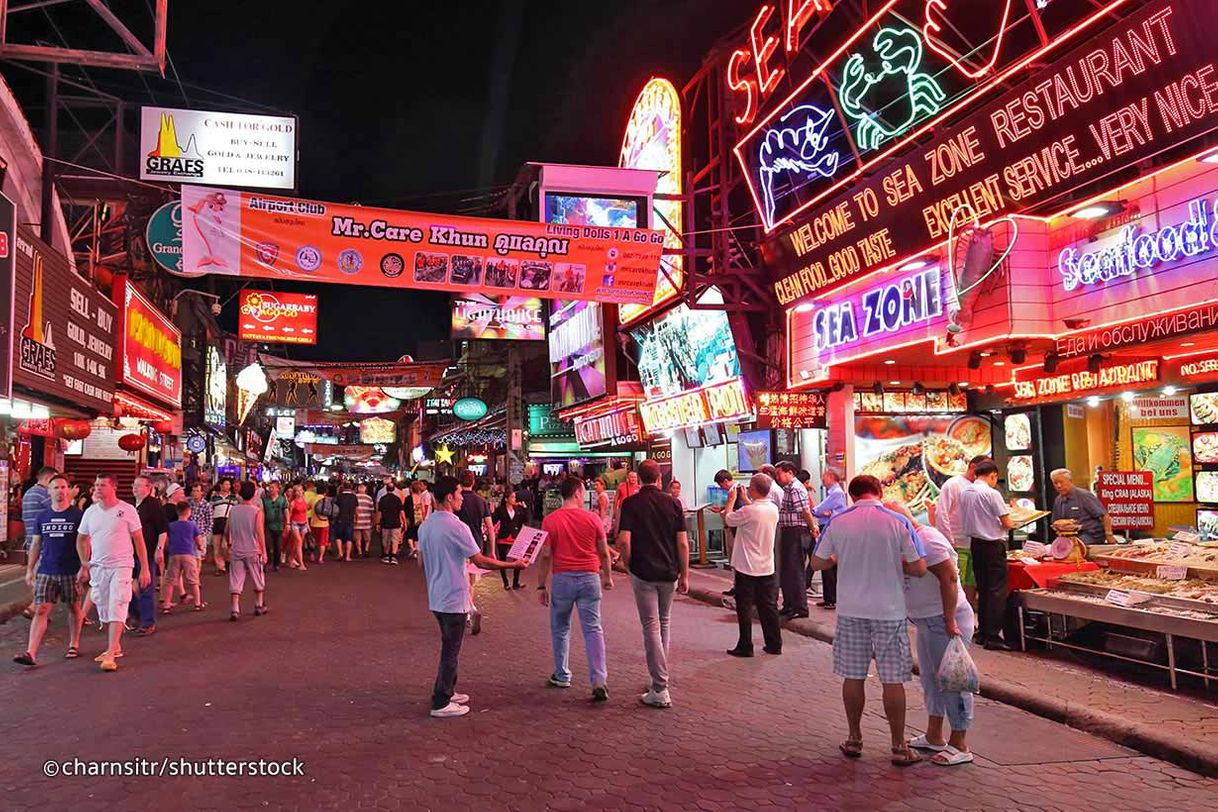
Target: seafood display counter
[(1184, 612)]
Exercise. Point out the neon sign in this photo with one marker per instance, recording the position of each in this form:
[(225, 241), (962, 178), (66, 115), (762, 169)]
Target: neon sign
[(762, 49), (884, 309), (722, 401), (937, 26), (800, 148), (1068, 384), (1135, 252), (900, 55)]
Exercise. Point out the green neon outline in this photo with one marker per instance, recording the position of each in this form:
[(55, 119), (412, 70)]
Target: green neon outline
[(900, 51)]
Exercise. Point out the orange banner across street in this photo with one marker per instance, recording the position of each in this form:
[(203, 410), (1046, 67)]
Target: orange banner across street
[(256, 235)]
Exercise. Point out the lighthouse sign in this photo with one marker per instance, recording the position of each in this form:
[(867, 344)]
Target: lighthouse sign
[(228, 149)]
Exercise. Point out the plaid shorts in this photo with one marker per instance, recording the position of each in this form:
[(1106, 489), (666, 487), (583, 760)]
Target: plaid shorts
[(858, 640), (56, 589)]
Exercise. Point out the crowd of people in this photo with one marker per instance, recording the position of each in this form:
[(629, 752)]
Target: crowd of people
[(883, 569)]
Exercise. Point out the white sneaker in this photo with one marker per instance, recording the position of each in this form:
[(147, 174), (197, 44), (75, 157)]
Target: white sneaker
[(460, 699), (656, 700), (450, 710)]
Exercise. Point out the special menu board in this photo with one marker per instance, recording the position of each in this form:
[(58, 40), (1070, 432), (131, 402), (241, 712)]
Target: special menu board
[(1141, 86), (64, 329)]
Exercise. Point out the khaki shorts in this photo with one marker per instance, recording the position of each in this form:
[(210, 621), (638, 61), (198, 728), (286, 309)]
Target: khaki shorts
[(110, 589), (186, 566), (239, 568)]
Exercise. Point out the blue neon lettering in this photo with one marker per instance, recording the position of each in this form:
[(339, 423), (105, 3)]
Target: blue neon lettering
[(1138, 251)]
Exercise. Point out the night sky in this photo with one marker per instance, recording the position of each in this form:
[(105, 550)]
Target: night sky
[(426, 106)]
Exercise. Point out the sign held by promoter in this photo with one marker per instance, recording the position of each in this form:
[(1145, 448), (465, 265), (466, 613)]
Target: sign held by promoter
[(229, 149)]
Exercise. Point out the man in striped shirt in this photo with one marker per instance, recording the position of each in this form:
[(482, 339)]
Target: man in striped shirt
[(795, 525), (364, 509)]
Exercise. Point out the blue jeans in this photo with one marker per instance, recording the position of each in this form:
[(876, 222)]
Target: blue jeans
[(144, 600), (581, 590), (932, 643)]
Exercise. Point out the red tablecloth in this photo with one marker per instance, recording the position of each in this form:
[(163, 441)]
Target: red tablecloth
[(1032, 576)]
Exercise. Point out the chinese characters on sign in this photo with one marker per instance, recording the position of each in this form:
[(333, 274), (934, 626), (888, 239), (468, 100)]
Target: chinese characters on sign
[(791, 410), (1129, 498)]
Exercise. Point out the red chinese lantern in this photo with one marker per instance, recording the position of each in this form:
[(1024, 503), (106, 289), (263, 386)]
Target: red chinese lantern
[(73, 429), (131, 442), (163, 426)]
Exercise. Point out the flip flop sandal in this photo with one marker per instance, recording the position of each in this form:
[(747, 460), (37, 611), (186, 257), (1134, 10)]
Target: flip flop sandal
[(73, 653), (102, 656), (200, 607), (951, 757), (851, 749), (920, 742), (25, 659), (904, 757), (165, 610)]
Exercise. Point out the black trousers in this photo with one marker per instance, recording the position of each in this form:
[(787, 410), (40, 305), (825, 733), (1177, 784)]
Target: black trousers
[(272, 547), (990, 570), (452, 632), (760, 591), (828, 579), (793, 545), (504, 549)]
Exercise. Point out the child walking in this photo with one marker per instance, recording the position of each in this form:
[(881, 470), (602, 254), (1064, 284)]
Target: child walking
[(185, 543)]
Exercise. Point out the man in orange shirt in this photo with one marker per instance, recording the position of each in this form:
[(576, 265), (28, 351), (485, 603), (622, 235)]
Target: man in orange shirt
[(576, 550)]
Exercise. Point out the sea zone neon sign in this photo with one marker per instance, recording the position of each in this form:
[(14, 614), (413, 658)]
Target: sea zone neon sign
[(885, 309), (1135, 252)]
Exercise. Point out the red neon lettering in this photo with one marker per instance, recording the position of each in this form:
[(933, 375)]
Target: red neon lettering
[(763, 50), (798, 18), (745, 84)]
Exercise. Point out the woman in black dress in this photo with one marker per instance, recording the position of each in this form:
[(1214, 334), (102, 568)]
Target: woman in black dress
[(508, 518)]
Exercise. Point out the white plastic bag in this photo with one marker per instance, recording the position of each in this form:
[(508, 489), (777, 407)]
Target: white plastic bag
[(957, 671)]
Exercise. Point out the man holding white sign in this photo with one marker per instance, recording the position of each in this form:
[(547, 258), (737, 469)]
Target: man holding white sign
[(576, 550)]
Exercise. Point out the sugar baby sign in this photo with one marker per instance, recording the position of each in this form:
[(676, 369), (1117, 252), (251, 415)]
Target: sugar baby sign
[(255, 235)]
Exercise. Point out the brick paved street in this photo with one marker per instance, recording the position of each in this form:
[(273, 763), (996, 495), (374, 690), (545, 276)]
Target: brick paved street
[(338, 675)]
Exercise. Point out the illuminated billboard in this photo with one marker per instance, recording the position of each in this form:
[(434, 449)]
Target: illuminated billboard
[(232, 149), (517, 318), (653, 141), (279, 318), (685, 350), (577, 354)]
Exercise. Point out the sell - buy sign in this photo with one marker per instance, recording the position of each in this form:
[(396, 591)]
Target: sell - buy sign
[(151, 359)]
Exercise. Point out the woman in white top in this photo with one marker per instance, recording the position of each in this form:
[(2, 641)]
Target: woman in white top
[(602, 507), (927, 600)]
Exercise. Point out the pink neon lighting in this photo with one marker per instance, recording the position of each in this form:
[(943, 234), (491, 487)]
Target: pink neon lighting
[(933, 27)]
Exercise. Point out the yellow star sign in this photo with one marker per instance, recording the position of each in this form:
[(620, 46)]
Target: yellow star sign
[(445, 454)]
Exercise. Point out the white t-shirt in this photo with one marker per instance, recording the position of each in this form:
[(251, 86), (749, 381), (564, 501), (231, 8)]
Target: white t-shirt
[(110, 534), (922, 598), (776, 494), (947, 510), (753, 551), (870, 542), (981, 511)]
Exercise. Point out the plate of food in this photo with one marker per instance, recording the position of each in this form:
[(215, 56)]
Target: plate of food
[(1018, 431), (1207, 486), (973, 434), (1205, 447), (900, 473), (1204, 407), (943, 457), (1021, 475)]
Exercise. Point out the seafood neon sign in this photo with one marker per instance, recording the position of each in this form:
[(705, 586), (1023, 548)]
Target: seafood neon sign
[(1135, 252), (899, 52)]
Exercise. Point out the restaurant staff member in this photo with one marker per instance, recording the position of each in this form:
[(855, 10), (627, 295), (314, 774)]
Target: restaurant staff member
[(1072, 502), (986, 520)]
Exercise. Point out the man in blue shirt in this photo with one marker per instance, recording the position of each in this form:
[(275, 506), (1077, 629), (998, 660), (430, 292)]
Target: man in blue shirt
[(446, 544), (34, 503), (52, 568), (833, 504)]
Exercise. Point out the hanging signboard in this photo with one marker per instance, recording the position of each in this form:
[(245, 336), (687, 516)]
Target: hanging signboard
[(164, 236), (1129, 499), (1080, 381), (791, 410), (150, 358), (720, 402), (8, 237), (1122, 97), (279, 318), (1149, 328), (230, 149), (579, 369), (258, 236), (499, 317), (618, 429), (215, 389), (64, 329)]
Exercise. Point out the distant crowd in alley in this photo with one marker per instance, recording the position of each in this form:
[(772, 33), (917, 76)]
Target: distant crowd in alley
[(136, 562)]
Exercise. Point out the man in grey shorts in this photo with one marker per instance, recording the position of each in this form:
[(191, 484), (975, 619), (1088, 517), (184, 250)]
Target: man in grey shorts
[(246, 538)]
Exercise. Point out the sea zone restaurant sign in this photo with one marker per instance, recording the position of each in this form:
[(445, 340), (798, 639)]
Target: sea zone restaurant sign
[(283, 318), (1146, 83), (151, 357), (227, 149), (721, 401), (1067, 385)]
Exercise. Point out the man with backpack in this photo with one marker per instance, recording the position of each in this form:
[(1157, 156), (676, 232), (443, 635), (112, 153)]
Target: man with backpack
[(327, 509)]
